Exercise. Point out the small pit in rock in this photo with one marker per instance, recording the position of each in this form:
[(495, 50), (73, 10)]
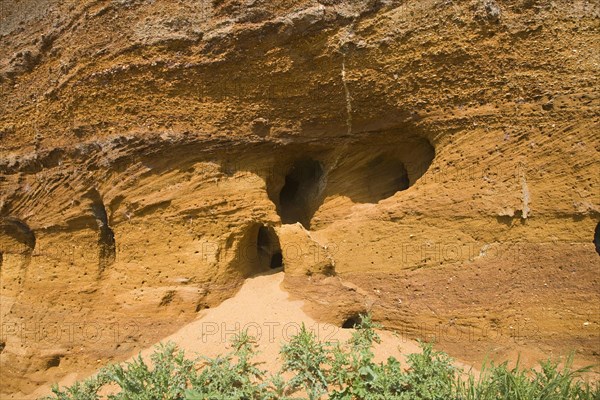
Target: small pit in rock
[(53, 361), (352, 321)]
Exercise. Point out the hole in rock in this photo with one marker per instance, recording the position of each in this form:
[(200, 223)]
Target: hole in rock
[(326, 181), (268, 249), (258, 251), (352, 321), (300, 195), (53, 361)]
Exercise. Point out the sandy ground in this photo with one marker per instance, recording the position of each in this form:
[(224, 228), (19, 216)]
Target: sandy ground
[(265, 310)]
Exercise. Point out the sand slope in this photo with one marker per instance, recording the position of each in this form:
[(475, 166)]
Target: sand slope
[(266, 311)]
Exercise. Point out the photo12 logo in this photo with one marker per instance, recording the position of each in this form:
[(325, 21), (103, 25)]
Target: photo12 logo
[(68, 332), (272, 332)]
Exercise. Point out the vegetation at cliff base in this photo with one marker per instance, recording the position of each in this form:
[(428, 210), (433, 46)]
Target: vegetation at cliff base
[(312, 369)]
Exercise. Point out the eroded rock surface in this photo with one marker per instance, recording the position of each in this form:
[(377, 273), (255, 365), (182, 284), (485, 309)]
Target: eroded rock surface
[(434, 162)]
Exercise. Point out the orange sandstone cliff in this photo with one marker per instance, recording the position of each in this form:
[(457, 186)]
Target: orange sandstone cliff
[(433, 162)]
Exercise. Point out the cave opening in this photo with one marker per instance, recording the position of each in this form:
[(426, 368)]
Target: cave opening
[(316, 185), (299, 196), (268, 249)]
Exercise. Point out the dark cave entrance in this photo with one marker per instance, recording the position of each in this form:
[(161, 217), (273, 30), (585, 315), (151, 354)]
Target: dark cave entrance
[(299, 196), (276, 260), (362, 171), (268, 249)]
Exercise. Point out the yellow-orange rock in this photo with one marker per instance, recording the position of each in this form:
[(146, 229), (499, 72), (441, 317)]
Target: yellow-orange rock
[(444, 154)]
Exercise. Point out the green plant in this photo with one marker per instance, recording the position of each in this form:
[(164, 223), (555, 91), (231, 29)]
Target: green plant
[(329, 370), (167, 380), (86, 390), (306, 358), (551, 383), (353, 370), (431, 375), (234, 376)]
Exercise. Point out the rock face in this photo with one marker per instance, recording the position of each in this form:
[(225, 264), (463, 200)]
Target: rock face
[(433, 162)]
